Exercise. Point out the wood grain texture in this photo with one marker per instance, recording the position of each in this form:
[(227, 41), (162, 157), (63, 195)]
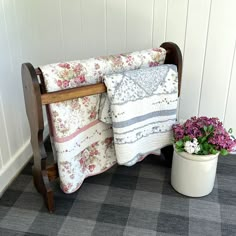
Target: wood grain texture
[(34, 112), (69, 94)]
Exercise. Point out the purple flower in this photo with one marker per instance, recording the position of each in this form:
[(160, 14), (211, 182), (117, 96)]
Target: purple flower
[(209, 132)]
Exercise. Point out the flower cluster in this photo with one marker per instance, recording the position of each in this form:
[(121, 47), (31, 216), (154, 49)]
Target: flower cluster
[(203, 136), (192, 146)]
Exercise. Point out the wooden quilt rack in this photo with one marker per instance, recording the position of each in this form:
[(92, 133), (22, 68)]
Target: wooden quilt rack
[(36, 96)]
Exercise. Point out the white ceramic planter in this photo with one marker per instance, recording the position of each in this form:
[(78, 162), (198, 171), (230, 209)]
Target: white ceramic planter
[(193, 175)]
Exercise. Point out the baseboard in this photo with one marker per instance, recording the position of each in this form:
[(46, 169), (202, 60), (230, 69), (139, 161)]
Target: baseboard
[(12, 169), (14, 166)]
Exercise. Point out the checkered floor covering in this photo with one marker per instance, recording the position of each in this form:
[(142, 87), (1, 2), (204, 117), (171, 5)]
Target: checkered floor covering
[(136, 200)]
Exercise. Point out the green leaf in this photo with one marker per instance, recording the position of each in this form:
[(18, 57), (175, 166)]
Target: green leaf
[(213, 151), (179, 149), (203, 139), (230, 131), (186, 138), (201, 146), (200, 140), (205, 152), (206, 146), (211, 128), (205, 128), (179, 143), (224, 152)]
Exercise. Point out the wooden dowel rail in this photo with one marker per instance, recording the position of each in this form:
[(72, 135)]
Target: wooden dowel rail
[(68, 94)]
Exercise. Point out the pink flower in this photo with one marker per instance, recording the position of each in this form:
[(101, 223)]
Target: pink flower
[(91, 167), (93, 114), (94, 144), (64, 188), (92, 153), (152, 64), (80, 79), (78, 68), (65, 83), (108, 141), (59, 83), (64, 65), (85, 100), (82, 161), (157, 49)]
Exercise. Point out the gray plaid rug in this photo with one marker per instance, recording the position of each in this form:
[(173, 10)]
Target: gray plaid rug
[(136, 200)]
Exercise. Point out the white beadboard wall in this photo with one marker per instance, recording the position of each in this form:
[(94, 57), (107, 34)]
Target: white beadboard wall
[(43, 31)]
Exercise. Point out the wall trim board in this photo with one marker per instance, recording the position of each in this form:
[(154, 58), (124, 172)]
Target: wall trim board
[(15, 165), (11, 170)]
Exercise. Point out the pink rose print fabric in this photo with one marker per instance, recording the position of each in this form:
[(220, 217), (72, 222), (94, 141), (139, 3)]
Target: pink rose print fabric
[(83, 144)]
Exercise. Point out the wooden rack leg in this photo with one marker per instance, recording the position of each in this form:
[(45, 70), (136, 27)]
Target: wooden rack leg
[(167, 153), (35, 116)]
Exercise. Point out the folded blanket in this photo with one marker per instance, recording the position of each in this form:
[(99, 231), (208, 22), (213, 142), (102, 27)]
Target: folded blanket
[(141, 105), (83, 144)]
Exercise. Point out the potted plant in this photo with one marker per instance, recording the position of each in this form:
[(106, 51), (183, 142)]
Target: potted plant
[(197, 144)]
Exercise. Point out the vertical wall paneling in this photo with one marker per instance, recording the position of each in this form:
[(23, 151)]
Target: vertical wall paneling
[(159, 24), (139, 24), (1, 162), (93, 29), (27, 53), (72, 29), (15, 52), (4, 139), (176, 22), (230, 114), (46, 32), (25, 13), (116, 26), (47, 36), (11, 112), (195, 45), (218, 62)]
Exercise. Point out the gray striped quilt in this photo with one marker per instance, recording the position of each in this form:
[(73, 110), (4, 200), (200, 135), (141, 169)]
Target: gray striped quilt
[(141, 105)]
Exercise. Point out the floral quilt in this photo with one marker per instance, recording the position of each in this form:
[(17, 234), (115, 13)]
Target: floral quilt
[(83, 144)]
